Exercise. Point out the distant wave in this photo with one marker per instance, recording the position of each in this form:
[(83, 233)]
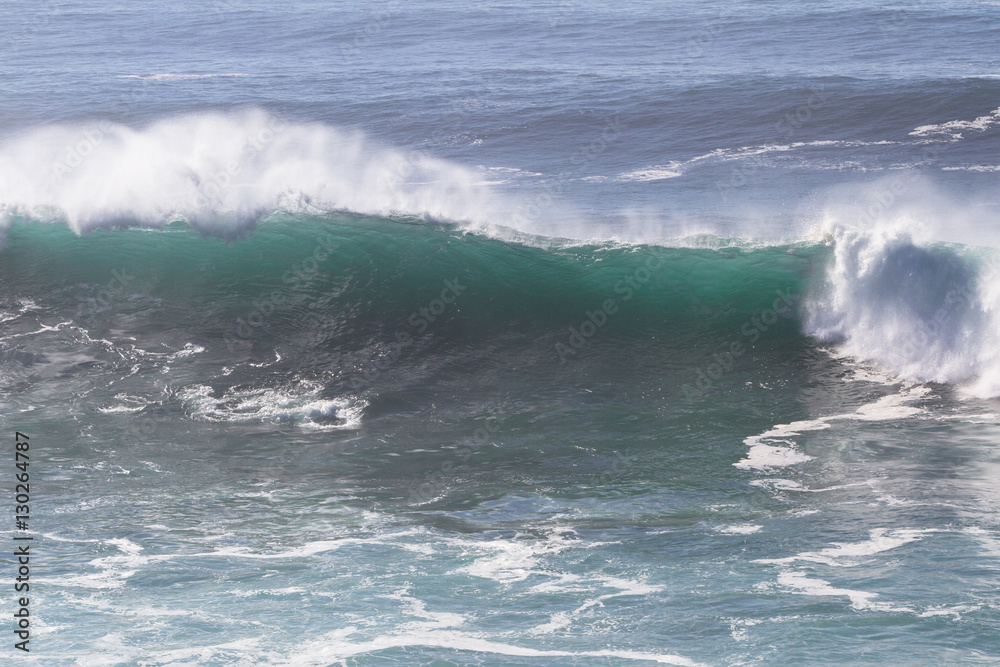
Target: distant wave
[(953, 129), (678, 168), (981, 168), (177, 77)]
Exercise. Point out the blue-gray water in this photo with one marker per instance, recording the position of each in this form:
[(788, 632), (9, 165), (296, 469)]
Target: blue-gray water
[(556, 333)]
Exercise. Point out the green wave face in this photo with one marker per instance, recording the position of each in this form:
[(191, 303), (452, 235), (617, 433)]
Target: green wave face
[(391, 312), (354, 276)]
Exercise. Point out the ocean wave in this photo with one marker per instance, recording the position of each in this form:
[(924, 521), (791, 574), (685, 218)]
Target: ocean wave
[(677, 168), (224, 172), (980, 168), (953, 129), (166, 76), (916, 308), (928, 311)]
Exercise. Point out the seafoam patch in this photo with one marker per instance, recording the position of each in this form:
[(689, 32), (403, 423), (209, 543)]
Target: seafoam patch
[(774, 448), (300, 404), (860, 600), (739, 529)]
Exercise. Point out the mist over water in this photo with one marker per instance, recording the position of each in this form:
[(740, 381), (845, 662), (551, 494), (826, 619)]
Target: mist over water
[(222, 173)]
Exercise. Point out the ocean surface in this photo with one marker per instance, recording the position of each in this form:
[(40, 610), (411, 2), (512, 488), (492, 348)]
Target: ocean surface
[(548, 333)]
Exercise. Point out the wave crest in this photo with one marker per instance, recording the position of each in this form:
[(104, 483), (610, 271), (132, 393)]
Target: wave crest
[(927, 311), (222, 173)]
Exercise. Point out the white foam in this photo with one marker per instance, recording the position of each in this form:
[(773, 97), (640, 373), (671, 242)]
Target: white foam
[(626, 587), (980, 168), (116, 651), (845, 554), (315, 547), (223, 172), (779, 484), (739, 529), (676, 168), (893, 406), (127, 403), (557, 621), (738, 628), (505, 175), (299, 403), (953, 129), (511, 560), (333, 647), (653, 173), (922, 311), (985, 418), (860, 600), (763, 456), (114, 570), (766, 457), (863, 372), (431, 620), (188, 350), (561, 582), (304, 551), (954, 611), (165, 76)]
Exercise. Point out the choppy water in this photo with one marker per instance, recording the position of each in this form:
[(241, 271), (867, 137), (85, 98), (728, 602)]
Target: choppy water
[(548, 334)]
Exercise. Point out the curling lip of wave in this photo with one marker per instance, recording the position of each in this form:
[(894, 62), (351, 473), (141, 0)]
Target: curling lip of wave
[(222, 173), (929, 312)]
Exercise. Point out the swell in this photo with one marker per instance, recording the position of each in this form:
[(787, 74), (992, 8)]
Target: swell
[(314, 319), (341, 290), (363, 273)]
